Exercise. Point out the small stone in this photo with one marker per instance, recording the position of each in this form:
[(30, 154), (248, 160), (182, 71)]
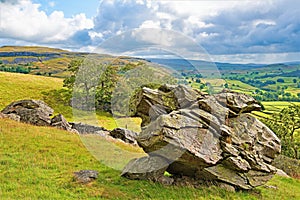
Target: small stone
[(14, 117), (164, 180), (85, 176), (2, 116)]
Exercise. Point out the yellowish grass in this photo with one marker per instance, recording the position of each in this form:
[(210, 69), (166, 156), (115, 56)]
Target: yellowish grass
[(15, 87)]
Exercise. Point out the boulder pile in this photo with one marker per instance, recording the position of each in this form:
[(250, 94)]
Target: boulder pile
[(200, 138)]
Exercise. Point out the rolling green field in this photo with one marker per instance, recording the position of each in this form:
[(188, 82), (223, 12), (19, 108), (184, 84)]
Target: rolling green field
[(273, 107)]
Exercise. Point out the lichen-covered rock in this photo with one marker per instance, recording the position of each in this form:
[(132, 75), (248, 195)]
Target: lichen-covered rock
[(237, 102), (34, 112), (206, 137), (181, 140)]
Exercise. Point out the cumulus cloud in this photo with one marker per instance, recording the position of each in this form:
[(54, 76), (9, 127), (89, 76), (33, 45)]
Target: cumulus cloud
[(23, 20), (223, 27), (270, 26)]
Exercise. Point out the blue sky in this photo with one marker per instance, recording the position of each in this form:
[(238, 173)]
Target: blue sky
[(70, 7), (228, 31)]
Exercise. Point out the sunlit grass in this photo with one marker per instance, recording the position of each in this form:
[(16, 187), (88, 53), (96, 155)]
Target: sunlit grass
[(38, 163), (15, 87)]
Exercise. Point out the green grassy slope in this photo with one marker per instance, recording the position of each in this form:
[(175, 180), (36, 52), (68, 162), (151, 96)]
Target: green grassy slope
[(38, 163), (20, 86)]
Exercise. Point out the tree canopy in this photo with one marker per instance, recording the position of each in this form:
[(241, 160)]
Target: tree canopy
[(286, 124)]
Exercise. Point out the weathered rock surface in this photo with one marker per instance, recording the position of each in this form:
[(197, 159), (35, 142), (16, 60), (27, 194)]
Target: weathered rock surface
[(146, 168), (86, 176), (126, 135), (210, 138), (30, 111), (60, 122), (88, 129), (10, 116)]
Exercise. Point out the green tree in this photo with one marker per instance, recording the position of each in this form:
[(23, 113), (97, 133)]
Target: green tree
[(91, 84), (73, 69), (286, 124), (105, 88)]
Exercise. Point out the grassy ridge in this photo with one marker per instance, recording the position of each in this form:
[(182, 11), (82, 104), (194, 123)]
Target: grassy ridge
[(36, 49), (38, 162)]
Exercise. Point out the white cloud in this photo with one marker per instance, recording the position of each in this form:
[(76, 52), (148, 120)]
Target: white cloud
[(261, 58), (222, 27), (51, 4), (95, 35), (264, 22), (150, 24), (25, 21)]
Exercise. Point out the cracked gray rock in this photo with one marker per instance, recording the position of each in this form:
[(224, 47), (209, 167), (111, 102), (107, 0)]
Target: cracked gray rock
[(210, 138)]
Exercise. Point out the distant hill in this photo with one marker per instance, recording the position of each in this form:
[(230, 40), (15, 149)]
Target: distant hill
[(48, 61), (36, 60), (54, 62), (188, 65)]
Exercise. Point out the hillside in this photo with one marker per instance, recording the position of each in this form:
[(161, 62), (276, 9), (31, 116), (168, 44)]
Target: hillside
[(49, 61), (15, 86), (38, 162), (36, 60)]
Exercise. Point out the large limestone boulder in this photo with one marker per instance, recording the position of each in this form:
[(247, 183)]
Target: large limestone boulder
[(30, 111), (209, 138)]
